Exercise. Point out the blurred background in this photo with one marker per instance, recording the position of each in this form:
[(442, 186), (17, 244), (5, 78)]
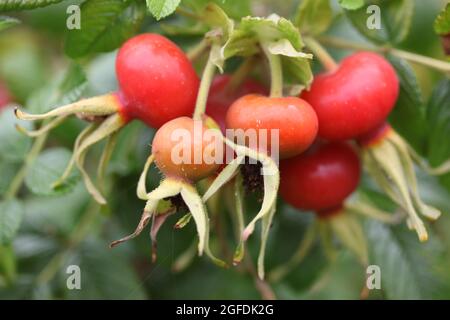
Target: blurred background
[(44, 230)]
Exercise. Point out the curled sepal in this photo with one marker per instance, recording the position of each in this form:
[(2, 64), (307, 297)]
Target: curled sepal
[(96, 106), (266, 224), (373, 212), (83, 134), (391, 166), (271, 184), (163, 211), (197, 209), (43, 129), (105, 158), (350, 233), (183, 221), (404, 152), (108, 127), (141, 187), (442, 169), (223, 177), (271, 176), (167, 188), (238, 211)]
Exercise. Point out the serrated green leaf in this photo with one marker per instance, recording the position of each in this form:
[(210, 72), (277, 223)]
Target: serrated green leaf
[(16, 5), (438, 119), (409, 269), (442, 22), (314, 16), (11, 213), (47, 168), (351, 4), (13, 145), (410, 106), (394, 18), (105, 25), (100, 267), (7, 22), (162, 8), (397, 276)]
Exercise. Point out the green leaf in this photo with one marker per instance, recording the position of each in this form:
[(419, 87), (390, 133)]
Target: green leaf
[(438, 118), (47, 168), (43, 214), (8, 171), (65, 89), (22, 64), (351, 4), (13, 144), (11, 213), (105, 25), (410, 106), (280, 36), (409, 269), (100, 268), (162, 8), (15, 5), (7, 22), (394, 17), (397, 275), (314, 16), (236, 9), (442, 22)]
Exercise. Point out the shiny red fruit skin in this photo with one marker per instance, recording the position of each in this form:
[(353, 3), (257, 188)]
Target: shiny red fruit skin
[(5, 97), (157, 81), (355, 98), (374, 136), (163, 144), (321, 178), (219, 100), (294, 117)]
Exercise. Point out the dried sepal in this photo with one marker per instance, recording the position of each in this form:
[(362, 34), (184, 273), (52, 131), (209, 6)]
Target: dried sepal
[(388, 169), (350, 233), (43, 129), (141, 187)]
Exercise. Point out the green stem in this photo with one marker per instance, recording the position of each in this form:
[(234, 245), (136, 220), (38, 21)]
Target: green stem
[(79, 233), (300, 253), (276, 72), (412, 57), (196, 51), (321, 53), (15, 185), (203, 91), (186, 13), (239, 75)]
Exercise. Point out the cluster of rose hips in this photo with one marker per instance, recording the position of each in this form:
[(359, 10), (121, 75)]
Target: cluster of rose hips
[(323, 134)]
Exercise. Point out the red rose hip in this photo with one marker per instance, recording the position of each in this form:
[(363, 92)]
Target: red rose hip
[(354, 98)]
